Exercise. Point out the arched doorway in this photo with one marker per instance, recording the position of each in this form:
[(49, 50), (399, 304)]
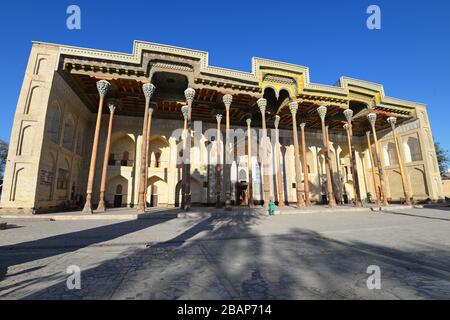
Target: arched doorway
[(118, 196)]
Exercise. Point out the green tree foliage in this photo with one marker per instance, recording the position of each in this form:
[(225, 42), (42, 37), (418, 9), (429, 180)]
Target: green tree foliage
[(3, 155), (443, 158)]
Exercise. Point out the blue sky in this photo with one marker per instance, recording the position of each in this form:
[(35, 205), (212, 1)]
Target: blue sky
[(410, 55)]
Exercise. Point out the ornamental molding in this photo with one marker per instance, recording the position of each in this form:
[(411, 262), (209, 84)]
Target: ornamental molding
[(172, 66), (258, 65), (279, 79)]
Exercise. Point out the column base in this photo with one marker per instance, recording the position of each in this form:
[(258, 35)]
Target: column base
[(88, 208), (101, 206)]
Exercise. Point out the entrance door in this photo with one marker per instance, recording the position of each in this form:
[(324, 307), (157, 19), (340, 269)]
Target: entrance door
[(118, 197), (118, 201)]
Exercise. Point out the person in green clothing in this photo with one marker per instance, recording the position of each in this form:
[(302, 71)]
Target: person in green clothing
[(271, 208)]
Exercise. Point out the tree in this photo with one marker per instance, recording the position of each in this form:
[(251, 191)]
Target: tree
[(3, 156), (443, 158)]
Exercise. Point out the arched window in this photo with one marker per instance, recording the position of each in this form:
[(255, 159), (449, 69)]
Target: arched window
[(119, 189), (69, 132), (412, 150), (157, 159), (125, 158), (54, 123), (390, 155)]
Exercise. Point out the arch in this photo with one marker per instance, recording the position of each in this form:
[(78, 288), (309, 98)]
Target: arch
[(157, 192), (47, 173), (19, 194), (117, 192), (34, 100), (412, 150), (54, 121), (69, 132), (390, 154), (41, 66), (159, 152), (26, 142), (122, 150), (395, 184), (418, 183)]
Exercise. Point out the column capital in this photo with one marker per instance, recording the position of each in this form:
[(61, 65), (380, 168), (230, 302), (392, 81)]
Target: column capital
[(189, 94), (293, 107), (185, 112), (112, 105), (348, 113), (277, 121), (368, 134), (148, 90), (219, 118), (103, 87), (249, 121), (322, 110), (392, 121), (303, 125), (262, 104), (227, 100), (372, 117)]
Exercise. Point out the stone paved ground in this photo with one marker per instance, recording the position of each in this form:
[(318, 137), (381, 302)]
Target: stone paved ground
[(305, 256)]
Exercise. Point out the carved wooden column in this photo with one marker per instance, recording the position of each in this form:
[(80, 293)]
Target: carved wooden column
[(278, 163), (185, 112), (372, 117), (373, 165), (305, 165), (218, 164), (147, 150), (322, 110), (293, 107), (330, 160), (392, 121), (112, 104), (249, 163), (103, 88), (262, 104), (148, 90), (227, 100), (349, 116), (189, 93)]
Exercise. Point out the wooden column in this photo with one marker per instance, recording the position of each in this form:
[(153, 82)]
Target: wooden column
[(185, 112), (372, 117), (147, 150), (305, 165), (227, 100), (148, 90), (249, 163), (262, 104), (374, 174), (103, 88), (330, 162), (112, 104), (392, 121), (349, 116), (322, 110), (189, 93), (278, 163), (218, 164), (293, 107)]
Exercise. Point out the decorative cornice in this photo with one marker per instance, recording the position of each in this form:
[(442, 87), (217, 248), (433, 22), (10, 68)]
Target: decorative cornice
[(258, 65)]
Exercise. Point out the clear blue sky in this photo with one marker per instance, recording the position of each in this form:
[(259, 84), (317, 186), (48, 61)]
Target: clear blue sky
[(410, 55)]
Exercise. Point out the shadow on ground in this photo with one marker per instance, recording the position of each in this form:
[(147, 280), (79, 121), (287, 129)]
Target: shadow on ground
[(224, 258)]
